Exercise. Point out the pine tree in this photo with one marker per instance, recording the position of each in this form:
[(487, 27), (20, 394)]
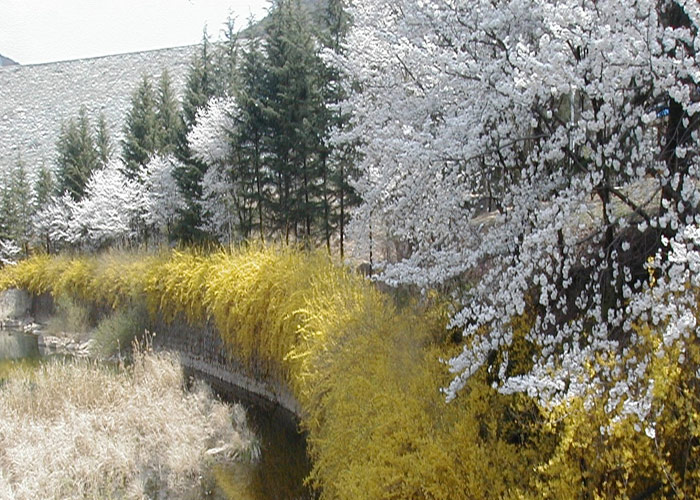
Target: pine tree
[(15, 207), (226, 60), (293, 107), (44, 188), (168, 121), (200, 87), (339, 159), (140, 130), (251, 130), (77, 156), (201, 83), (103, 142)]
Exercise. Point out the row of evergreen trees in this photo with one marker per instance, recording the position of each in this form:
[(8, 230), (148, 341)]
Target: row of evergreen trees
[(152, 127), (80, 152), (287, 181), (21, 197)]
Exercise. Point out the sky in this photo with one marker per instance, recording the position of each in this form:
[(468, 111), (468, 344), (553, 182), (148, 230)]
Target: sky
[(39, 31)]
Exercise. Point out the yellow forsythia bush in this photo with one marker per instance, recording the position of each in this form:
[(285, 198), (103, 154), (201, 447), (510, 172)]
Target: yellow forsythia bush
[(367, 375), (599, 457)]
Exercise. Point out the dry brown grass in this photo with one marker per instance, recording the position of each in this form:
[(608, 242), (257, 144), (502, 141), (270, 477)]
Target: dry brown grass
[(75, 430)]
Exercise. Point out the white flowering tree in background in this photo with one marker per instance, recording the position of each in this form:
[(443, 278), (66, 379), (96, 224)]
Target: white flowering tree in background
[(115, 210), (210, 141), (162, 197), (112, 211), (542, 150), (52, 222)]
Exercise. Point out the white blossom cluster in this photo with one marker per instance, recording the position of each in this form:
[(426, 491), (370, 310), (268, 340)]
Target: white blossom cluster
[(162, 197), (9, 252), (110, 211), (509, 141), (209, 139), (210, 142), (115, 209)]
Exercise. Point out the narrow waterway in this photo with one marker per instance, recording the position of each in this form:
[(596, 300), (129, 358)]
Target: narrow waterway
[(16, 345), (280, 472)]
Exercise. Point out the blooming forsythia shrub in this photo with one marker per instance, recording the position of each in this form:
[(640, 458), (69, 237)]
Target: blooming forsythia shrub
[(366, 372)]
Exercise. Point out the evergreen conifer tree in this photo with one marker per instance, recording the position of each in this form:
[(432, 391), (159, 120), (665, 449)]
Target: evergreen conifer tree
[(168, 121), (339, 195), (103, 142), (201, 82), (294, 105), (77, 156), (44, 188), (249, 137), (140, 130), (226, 60), (15, 207), (200, 87)]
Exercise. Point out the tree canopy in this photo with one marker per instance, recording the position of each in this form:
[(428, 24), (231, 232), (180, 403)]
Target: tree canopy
[(575, 123)]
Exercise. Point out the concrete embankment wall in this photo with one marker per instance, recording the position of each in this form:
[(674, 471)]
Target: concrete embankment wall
[(200, 348)]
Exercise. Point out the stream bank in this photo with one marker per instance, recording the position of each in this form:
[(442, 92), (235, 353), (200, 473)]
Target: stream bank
[(272, 413)]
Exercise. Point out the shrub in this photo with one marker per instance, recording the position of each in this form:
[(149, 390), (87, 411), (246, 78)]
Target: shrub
[(116, 332), (366, 373)]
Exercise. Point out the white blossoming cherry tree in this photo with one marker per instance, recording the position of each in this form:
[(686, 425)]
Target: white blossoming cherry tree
[(163, 199), (210, 141), (53, 221), (112, 210), (538, 153), (116, 209)]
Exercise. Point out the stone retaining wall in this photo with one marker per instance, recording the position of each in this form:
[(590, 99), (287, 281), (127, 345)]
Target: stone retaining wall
[(201, 350), (14, 304)]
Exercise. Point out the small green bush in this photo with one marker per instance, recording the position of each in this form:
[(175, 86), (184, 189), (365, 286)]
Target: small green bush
[(115, 333)]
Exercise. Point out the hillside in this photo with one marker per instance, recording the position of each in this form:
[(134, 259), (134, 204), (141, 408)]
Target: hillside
[(36, 99), (6, 61)]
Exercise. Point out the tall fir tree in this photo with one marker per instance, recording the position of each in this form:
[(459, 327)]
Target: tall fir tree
[(44, 187), (140, 130), (201, 82), (200, 87), (294, 102), (249, 137), (77, 156), (339, 195), (226, 60), (16, 207), (168, 120), (103, 141), (288, 179), (8, 214)]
